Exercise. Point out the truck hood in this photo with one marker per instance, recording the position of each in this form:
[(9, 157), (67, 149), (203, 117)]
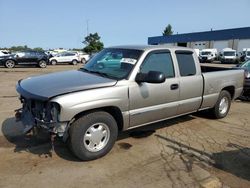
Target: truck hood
[(50, 85)]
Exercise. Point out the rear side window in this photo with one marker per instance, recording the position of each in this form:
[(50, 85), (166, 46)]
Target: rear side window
[(186, 63), (159, 61), (69, 54)]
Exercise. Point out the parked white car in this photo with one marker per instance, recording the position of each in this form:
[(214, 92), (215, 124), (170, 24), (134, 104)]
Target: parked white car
[(228, 55), (65, 57), (208, 55), (246, 54), (4, 52), (83, 57)]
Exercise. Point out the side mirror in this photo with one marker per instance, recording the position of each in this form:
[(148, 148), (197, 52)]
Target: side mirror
[(150, 77)]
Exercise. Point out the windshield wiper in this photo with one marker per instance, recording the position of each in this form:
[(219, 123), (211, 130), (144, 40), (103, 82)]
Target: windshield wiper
[(97, 72)]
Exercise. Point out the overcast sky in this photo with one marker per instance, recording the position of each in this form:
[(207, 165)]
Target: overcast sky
[(61, 23)]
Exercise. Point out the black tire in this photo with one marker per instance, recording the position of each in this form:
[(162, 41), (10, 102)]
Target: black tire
[(42, 64), (74, 62), (53, 62), (245, 96), (9, 64), (81, 128), (83, 61), (218, 113)]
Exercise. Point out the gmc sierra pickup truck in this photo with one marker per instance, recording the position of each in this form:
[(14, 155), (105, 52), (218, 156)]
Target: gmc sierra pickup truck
[(121, 88)]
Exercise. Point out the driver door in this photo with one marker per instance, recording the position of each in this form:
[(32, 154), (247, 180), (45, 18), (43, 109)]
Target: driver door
[(154, 102)]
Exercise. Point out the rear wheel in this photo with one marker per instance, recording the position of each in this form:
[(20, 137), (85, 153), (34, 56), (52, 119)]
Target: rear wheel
[(53, 62), (42, 64), (222, 105), (9, 64), (93, 135), (74, 62), (83, 60)]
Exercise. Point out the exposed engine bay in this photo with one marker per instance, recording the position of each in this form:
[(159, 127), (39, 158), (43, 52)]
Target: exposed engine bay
[(41, 114)]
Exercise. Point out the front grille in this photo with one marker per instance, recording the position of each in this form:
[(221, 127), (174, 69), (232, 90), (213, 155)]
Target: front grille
[(40, 110)]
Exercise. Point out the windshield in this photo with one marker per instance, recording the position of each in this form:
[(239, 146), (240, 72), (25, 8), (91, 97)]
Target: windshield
[(113, 63), (229, 53), (246, 65), (205, 53)]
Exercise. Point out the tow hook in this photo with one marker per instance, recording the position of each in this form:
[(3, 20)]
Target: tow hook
[(18, 114)]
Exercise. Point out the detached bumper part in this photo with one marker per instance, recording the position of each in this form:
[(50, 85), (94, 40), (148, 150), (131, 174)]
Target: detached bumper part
[(29, 122), (26, 118)]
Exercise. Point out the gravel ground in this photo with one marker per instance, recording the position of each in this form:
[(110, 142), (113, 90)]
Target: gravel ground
[(190, 151)]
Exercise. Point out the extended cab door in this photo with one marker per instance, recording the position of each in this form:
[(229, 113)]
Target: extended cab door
[(154, 102), (191, 81)]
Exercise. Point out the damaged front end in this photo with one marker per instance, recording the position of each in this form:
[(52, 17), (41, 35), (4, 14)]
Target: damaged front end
[(41, 114)]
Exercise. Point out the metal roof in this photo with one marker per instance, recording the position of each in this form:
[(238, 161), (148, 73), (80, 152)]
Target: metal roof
[(226, 34), (149, 47)]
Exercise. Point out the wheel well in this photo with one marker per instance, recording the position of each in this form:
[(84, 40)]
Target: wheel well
[(231, 90), (112, 110), (42, 60), (11, 60)]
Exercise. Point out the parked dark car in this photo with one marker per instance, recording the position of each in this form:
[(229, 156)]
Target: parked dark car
[(25, 58), (246, 90)]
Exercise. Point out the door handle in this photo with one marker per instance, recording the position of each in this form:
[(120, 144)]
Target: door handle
[(174, 86)]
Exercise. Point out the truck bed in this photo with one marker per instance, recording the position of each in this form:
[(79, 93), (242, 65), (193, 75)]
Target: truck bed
[(218, 78), (205, 68)]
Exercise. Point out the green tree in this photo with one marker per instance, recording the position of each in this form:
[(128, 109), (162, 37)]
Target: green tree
[(38, 49), (93, 43), (19, 48), (168, 30)]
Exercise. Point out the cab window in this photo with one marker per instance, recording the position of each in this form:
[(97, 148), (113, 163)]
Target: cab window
[(159, 61), (186, 63)]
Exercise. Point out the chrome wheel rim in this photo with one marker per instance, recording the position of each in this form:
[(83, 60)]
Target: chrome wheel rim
[(74, 62), (53, 62), (10, 63), (96, 137), (83, 61), (42, 64), (223, 107)]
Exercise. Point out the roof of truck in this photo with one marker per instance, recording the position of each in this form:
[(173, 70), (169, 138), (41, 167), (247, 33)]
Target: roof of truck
[(150, 47)]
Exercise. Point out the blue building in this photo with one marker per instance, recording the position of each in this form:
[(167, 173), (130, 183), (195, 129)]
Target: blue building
[(237, 38)]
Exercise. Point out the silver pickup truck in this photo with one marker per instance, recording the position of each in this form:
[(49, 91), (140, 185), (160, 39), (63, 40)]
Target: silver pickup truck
[(121, 88)]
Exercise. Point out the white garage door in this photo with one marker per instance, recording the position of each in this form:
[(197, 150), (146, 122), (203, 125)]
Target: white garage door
[(220, 45), (199, 45), (244, 43)]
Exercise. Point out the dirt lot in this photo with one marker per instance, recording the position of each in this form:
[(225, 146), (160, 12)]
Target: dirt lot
[(191, 151)]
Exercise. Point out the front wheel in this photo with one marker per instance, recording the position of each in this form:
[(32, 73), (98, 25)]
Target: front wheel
[(9, 64), (53, 62), (222, 105), (93, 135), (42, 64), (74, 62), (83, 61)]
